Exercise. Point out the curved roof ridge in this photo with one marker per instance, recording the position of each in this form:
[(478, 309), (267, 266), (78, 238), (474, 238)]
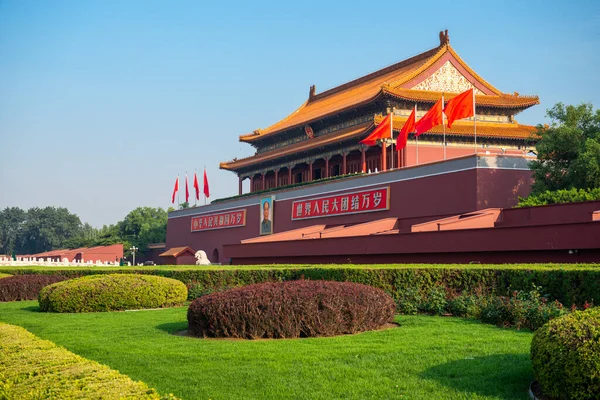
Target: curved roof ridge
[(257, 132), (473, 73), (375, 74)]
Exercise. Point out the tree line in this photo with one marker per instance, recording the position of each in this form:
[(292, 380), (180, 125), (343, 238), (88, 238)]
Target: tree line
[(43, 229), (568, 150)]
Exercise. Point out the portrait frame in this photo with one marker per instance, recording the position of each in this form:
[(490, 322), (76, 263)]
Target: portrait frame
[(266, 228)]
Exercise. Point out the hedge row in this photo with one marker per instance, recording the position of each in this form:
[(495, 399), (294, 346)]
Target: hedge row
[(560, 196), (113, 292), (32, 368), (290, 310), (25, 287), (569, 284)]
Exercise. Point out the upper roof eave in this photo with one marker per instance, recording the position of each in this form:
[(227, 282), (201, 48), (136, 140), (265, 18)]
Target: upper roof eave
[(503, 101)]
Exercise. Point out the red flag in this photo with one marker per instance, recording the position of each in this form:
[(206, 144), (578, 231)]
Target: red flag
[(187, 190), (196, 186), (432, 118), (462, 106), (383, 130), (409, 126), (175, 189), (206, 191)]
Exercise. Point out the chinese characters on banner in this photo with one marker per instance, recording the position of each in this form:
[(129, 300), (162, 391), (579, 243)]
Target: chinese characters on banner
[(230, 219), (347, 203)]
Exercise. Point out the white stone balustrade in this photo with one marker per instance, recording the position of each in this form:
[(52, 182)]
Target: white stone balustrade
[(48, 262)]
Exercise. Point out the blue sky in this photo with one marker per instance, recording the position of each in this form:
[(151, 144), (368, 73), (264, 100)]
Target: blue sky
[(103, 103)]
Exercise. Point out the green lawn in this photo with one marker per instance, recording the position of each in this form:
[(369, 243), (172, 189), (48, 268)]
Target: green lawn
[(424, 358)]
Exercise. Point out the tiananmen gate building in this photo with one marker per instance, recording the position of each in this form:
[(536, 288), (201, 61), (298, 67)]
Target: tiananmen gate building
[(318, 195)]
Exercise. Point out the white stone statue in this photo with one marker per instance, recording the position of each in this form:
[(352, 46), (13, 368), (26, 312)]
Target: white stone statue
[(201, 258)]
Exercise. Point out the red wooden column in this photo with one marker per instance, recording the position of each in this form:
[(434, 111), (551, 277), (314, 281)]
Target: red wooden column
[(344, 154), (310, 170), (251, 183), (264, 174), (326, 167), (363, 158), (383, 156), (240, 185), (276, 178), (290, 174)]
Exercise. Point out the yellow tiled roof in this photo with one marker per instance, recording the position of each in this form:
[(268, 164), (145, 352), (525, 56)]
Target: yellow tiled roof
[(387, 81)]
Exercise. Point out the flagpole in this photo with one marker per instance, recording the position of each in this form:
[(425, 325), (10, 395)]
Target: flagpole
[(416, 137), (196, 187), (392, 137), (474, 121), (443, 125), (203, 184), (178, 203)]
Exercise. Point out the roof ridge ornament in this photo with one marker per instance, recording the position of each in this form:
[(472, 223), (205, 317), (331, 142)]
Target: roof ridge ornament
[(444, 38), (312, 92)]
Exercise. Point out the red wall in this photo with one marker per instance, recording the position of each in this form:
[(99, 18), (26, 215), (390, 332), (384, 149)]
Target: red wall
[(553, 241), (110, 253)]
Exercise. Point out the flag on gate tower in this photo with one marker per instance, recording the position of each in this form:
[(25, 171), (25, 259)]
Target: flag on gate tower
[(175, 189), (196, 186), (382, 131), (432, 118), (206, 191), (462, 106), (187, 190), (409, 126)]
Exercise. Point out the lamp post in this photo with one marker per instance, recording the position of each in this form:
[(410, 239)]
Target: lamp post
[(133, 250)]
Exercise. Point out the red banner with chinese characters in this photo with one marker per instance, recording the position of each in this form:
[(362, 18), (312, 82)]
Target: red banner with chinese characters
[(347, 203), (230, 219)]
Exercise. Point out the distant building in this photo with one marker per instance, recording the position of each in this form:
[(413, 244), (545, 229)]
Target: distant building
[(109, 253)]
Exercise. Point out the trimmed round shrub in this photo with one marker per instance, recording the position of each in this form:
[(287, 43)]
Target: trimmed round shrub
[(112, 293), (290, 309), (25, 287), (565, 354)]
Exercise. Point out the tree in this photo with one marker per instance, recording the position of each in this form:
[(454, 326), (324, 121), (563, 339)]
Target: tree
[(569, 149), (48, 229), (144, 225), (12, 221)]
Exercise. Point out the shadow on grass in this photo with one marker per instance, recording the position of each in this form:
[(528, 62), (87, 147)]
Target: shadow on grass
[(31, 309), (172, 327), (502, 376)]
